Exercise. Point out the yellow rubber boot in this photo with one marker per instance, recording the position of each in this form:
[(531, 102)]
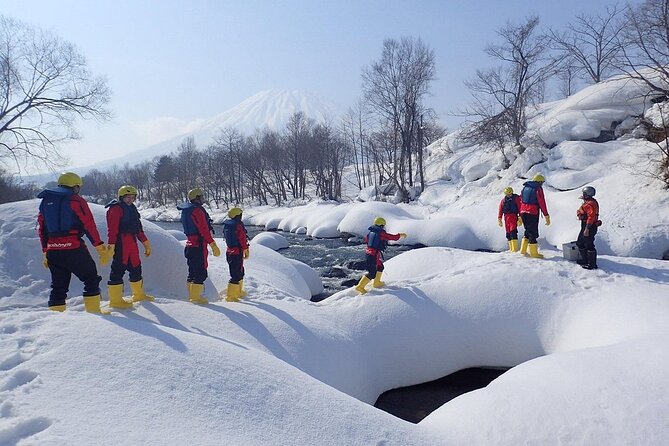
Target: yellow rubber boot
[(360, 288), (242, 293), (513, 245), (60, 308), (377, 280), (233, 292), (92, 305), (523, 246), (116, 297), (138, 293), (195, 294), (534, 251)]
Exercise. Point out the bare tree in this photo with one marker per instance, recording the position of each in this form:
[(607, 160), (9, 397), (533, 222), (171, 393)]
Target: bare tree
[(502, 94), (45, 86), (646, 59), (395, 88), (592, 43)]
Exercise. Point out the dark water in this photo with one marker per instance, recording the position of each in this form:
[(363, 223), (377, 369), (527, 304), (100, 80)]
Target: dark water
[(414, 403), (340, 264)]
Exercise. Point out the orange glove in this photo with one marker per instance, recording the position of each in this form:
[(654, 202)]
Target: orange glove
[(548, 220), (499, 222), (214, 249), (45, 262), (246, 253), (520, 221), (147, 248)]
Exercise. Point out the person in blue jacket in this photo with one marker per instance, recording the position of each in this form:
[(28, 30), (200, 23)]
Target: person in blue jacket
[(376, 240)]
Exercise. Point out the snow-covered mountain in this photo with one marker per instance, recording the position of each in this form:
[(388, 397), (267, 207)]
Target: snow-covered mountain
[(266, 109)]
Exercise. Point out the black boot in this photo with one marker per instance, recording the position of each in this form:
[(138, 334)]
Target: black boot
[(582, 257), (592, 260)]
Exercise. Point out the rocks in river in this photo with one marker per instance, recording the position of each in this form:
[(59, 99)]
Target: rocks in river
[(357, 265), (335, 271), (350, 283)]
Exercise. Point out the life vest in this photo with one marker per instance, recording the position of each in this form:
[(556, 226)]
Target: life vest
[(187, 220), (510, 206), (230, 232), (59, 218), (130, 221), (529, 193), (374, 240)]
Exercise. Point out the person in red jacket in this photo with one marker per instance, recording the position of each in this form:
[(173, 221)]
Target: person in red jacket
[(533, 201), (64, 218), (509, 207), (237, 251), (376, 240), (588, 213), (199, 232), (124, 228)]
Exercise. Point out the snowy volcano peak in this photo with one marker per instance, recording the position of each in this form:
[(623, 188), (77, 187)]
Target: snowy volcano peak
[(272, 109)]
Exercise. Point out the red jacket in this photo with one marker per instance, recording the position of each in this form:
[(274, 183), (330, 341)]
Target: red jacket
[(128, 240), (73, 240), (526, 208), (200, 220), (589, 212), (516, 200)]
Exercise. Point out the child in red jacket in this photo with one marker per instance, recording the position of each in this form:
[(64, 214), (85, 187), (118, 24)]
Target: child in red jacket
[(509, 207)]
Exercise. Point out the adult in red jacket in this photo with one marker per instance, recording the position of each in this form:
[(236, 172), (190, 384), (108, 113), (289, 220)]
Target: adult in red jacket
[(199, 232), (533, 201), (377, 240), (588, 213), (64, 217), (124, 228), (237, 251), (509, 207)]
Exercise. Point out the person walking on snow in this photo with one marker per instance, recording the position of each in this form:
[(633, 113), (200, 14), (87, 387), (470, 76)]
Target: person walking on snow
[(533, 201), (124, 228), (588, 213), (64, 217), (199, 232), (509, 207), (237, 251), (376, 240)]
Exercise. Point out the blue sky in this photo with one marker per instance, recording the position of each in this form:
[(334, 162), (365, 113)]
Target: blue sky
[(194, 59)]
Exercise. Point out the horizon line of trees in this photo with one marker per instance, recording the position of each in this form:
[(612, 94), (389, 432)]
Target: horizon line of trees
[(45, 85)]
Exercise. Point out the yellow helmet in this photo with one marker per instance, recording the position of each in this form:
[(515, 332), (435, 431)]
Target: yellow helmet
[(508, 191), (539, 178), (380, 221), (69, 179), (234, 212), (194, 193), (127, 190)]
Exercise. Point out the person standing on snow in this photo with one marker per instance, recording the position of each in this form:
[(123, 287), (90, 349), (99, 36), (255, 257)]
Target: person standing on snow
[(199, 232), (124, 228), (64, 217), (509, 207), (533, 201), (238, 250), (376, 240), (588, 213)]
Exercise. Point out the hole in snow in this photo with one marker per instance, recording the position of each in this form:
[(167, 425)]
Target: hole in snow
[(414, 403)]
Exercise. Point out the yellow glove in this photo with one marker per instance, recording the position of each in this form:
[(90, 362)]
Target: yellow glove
[(110, 250), (147, 248), (499, 222), (45, 262), (103, 253), (246, 253), (520, 221), (403, 235), (548, 220), (214, 249)]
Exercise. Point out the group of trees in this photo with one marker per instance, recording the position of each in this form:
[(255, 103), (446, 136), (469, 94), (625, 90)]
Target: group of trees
[(45, 85), (632, 42)]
